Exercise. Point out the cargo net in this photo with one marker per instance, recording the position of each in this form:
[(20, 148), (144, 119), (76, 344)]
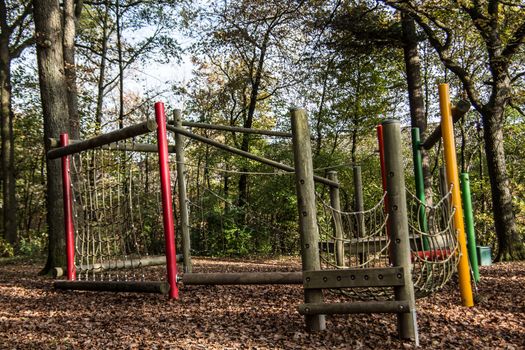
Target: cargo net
[(363, 242), (117, 214), (433, 242), (354, 240)]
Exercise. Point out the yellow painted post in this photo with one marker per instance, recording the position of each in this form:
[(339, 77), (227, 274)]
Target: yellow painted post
[(449, 148)]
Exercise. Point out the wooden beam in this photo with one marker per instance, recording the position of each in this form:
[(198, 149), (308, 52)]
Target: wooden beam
[(235, 129), (118, 264), (352, 278), (128, 146), (242, 278), (457, 112), (114, 286), (364, 307), (104, 139), (249, 155)]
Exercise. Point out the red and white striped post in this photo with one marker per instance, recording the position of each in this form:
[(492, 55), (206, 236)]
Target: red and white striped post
[(167, 209), (68, 212)]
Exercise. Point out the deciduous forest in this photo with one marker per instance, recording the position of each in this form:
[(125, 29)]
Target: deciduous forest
[(87, 68)]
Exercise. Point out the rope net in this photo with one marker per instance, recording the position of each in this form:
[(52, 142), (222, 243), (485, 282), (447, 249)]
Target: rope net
[(360, 239), (117, 214)]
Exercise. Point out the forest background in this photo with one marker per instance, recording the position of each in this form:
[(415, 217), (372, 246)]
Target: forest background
[(86, 67)]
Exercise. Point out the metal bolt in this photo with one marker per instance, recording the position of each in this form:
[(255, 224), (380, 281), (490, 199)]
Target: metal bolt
[(325, 279), (307, 279), (338, 278), (307, 246), (380, 276), (394, 207), (301, 181), (352, 277), (399, 276), (366, 277)]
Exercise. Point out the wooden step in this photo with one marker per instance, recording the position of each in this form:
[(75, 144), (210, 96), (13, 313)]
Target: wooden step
[(365, 307), (353, 278)]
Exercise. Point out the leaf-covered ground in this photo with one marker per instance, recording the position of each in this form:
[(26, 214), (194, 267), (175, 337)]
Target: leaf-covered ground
[(35, 316)]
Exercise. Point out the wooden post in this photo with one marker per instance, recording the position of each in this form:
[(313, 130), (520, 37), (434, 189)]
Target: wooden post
[(398, 224), (335, 202), (183, 202), (359, 202), (305, 188), (359, 207)]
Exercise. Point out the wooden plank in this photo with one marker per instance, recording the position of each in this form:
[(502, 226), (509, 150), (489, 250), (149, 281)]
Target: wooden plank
[(235, 129), (352, 278), (243, 278), (366, 307), (114, 286)]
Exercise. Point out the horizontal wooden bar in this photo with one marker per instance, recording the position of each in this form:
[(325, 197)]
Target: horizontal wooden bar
[(242, 278), (235, 129), (136, 146), (117, 264), (364, 307), (249, 155), (352, 278), (457, 112), (104, 139), (114, 286)]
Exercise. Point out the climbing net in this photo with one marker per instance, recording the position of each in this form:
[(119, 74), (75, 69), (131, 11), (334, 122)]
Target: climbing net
[(353, 239), (117, 214), (360, 239), (434, 245)]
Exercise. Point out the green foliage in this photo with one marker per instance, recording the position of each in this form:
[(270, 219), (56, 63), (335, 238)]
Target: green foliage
[(33, 244), (6, 250)]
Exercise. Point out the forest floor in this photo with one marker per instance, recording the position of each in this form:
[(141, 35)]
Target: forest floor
[(35, 316)]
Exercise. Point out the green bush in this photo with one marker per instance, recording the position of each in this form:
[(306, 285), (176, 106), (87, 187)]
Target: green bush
[(6, 250), (33, 245)]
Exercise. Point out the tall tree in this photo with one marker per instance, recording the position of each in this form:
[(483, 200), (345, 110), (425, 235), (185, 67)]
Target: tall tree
[(256, 34), (15, 17), (500, 27), (53, 91)]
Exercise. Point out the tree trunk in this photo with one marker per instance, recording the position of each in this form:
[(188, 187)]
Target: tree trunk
[(415, 93), (248, 122), (70, 67), (102, 69), (53, 91), (510, 244), (6, 133)]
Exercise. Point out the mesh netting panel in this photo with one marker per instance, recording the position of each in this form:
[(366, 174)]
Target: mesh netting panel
[(117, 215)]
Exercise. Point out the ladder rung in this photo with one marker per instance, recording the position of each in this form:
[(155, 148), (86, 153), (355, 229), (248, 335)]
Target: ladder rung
[(352, 278), (365, 307)]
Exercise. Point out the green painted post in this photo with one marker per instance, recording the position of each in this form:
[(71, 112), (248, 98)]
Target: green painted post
[(469, 224), (420, 185)]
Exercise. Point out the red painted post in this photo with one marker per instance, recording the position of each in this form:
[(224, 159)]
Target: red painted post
[(68, 213), (382, 160), (167, 209)]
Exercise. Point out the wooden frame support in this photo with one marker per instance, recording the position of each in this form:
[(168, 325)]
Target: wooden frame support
[(353, 278), (242, 153), (365, 307), (104, 139), (114, 286), (183, 198), (242, 278), (305, 188), (398, 225), (121, 146)]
